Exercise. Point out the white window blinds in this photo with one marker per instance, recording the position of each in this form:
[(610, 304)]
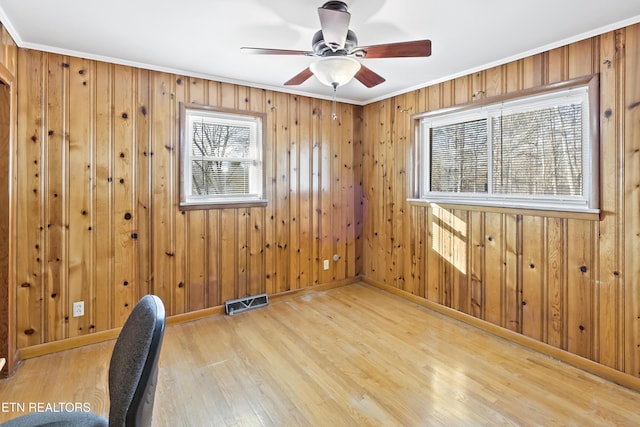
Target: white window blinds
[(538, 152), (534, 151), (221, 157)]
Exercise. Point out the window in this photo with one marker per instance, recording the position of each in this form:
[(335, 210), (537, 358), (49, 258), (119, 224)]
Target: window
[(221, 157), (537, 151)]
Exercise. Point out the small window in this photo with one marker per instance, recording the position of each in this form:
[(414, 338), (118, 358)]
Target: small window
[(536, 151), (221, 157)]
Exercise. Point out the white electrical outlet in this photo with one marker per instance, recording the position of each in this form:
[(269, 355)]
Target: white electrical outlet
[(78, 309), (326, 264)]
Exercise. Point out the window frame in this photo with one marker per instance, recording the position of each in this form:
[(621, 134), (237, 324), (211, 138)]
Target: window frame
[(259, 126), (587, 203)]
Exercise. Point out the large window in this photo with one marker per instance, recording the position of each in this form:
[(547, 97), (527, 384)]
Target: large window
[(221, 157), (537, 150)]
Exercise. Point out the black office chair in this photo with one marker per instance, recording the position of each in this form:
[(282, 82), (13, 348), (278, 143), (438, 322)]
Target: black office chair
[(133, 374)]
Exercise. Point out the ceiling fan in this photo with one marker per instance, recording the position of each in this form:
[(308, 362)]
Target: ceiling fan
[(336, 45)]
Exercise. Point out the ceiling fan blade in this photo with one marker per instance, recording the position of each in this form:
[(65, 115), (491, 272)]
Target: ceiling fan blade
[(334, 21), (416, 48), (299, 78), (264, 51), (368, 77)]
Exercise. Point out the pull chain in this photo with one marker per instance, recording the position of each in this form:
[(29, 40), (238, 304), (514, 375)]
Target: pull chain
[(334, 116)]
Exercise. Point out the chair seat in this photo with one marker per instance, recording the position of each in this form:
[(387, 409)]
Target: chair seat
[(58, 419)]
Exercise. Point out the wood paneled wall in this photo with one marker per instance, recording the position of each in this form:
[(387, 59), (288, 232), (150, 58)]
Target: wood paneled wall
[(98, 204), (8, 51), (8, 62), (569, 282)]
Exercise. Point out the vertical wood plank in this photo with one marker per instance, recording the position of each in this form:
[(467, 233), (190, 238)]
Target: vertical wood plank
[(103, 203), (342, 147), (366, 188), (513, 76), (494, 81), (256, 251), (305, 181), (632, 198), (180, 89), (494, 268), (512, 272), (351, 185), (556, 282), (9, 52), (293, 216), (557, 65), (533, 71), (228, 254), (533, 270), (143, 184), (79, 188), (400, 191), (610, 283), (433, 260), (30, 322), (461, 241), (270, 211), (55, 150), (582, 56), (477, 262), (316, 135), (446, 238), (406, 262), (164, 184), (580, 265), (388, 189), (214, 251), (124, 199), (281, 199), (358, 181), (326, 133), (8, 178), (417, 240)]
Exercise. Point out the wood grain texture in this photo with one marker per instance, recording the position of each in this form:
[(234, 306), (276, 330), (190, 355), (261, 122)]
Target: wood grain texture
[(8, 200), (5, 198), (98, 173), (352, 355), (631, 196), (7, 218), (8, 52), (568, 281)]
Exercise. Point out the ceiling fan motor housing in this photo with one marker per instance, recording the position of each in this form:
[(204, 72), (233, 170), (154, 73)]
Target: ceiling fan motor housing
[(335, 5), (322, 49)]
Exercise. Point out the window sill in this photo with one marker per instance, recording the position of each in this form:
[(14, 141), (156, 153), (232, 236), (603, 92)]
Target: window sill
[(591, 215), (222, 205)]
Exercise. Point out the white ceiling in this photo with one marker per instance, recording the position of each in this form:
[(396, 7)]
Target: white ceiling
[(202, 38)]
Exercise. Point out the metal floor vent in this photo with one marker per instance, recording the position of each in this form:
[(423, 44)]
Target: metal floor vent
[(243, 304)]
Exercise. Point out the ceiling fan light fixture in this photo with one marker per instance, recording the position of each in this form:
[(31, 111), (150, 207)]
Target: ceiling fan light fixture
[(335, 70)]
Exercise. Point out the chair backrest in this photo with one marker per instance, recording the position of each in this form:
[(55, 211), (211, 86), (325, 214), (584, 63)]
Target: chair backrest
[(133, 369)]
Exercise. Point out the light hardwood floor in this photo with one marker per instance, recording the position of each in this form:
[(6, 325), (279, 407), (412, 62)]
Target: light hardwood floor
[(349, 356)]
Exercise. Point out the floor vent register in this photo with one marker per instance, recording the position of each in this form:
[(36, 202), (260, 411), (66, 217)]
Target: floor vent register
[(239, 305)]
